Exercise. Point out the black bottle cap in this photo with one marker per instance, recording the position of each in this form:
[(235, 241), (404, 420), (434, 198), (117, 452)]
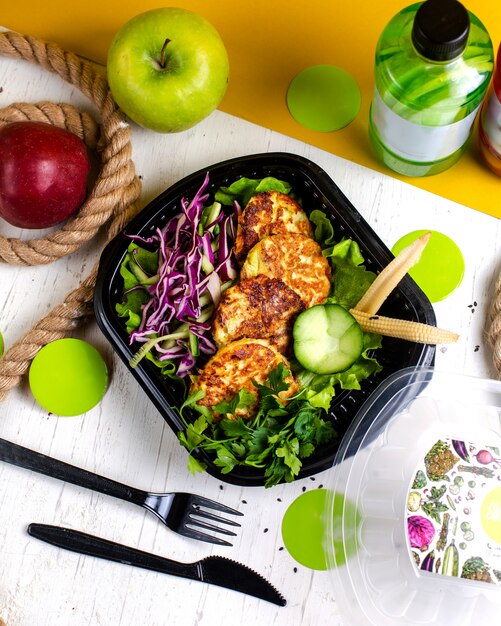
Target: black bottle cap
[(440, 29)]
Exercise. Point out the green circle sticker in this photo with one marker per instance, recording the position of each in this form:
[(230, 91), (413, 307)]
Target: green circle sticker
[(441, 266), (68, 377), (303, 529), (323, 98)]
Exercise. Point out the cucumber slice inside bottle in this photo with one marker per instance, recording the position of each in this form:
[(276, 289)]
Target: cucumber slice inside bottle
[(327, 339)]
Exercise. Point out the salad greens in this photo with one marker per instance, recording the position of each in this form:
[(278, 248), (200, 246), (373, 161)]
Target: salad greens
[(276, 440), (172, 284)]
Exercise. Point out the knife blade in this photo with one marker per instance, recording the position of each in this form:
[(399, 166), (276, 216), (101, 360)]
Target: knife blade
[(214, 570)]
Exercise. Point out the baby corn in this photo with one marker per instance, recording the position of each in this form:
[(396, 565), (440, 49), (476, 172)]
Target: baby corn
[(391, 275), (403, 329)]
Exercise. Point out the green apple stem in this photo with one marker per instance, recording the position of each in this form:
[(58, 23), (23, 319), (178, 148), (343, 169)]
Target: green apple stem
[(162, 53)]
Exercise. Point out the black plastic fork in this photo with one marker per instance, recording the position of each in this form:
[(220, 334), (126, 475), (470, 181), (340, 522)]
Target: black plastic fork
[(184, 513)]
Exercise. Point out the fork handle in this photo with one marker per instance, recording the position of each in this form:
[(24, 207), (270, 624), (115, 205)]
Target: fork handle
[(29, 459)]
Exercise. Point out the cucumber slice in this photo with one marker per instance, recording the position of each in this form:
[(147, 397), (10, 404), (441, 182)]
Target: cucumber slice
[(327, 339)]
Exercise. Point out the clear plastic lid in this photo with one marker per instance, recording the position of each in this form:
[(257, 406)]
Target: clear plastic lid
[(413, 528)]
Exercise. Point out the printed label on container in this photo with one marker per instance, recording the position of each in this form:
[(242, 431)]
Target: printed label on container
[(454, 512), (491, 122), (415, 142)]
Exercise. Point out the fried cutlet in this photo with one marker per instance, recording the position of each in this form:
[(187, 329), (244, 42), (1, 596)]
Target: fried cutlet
[(269, 213), (297, 260), (234, 367), (260, 307)]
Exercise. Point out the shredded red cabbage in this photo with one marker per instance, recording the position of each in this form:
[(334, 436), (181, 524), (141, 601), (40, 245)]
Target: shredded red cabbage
[(195, 263)]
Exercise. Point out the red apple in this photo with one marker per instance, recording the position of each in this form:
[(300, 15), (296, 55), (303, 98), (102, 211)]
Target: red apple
[(43, 174)]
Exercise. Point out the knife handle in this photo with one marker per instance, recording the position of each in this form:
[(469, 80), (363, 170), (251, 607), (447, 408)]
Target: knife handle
[(83, 543), (38, 462)]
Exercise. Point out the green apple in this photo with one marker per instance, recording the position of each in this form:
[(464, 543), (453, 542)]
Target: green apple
[(167, 69)]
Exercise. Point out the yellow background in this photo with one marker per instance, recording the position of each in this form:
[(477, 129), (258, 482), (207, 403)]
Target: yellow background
[(269, 42)]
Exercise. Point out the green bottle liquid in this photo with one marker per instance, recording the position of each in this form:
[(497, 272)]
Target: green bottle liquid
[(434, 62)]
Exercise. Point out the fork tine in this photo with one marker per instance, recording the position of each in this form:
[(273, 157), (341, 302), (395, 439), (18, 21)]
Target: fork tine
[(201, 524), (211, 504), (196, 510), (194, 534)]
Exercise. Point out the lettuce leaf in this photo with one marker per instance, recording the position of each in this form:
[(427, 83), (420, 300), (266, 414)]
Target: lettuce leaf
[(136, 269), (324, 230), (350, 277), (350, 280), (243, 189)]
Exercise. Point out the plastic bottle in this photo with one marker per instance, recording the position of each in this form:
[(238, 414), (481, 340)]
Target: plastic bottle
[(489, 123), (434, 62)]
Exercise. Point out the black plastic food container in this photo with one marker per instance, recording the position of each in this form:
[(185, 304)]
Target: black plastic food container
[(317, 191)]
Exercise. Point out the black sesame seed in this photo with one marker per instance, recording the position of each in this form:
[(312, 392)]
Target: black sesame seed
[(304, 489), (295, 570), (281, 548), (265, 530), (244, 501), (279, 499), (476, 349)]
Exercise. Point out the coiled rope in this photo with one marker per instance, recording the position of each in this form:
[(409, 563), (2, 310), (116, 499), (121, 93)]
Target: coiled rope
[(494, 331), (111, 202)]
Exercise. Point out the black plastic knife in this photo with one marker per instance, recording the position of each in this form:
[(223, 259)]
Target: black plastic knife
[(215, 570)]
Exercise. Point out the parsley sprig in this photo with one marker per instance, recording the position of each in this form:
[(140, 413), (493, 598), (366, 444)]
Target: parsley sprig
[(276, 440)]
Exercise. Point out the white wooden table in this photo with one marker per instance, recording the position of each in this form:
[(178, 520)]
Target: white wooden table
[(125, 438)]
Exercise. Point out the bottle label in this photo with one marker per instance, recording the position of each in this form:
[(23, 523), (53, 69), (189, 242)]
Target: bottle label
[(491, 122), (415, 142)]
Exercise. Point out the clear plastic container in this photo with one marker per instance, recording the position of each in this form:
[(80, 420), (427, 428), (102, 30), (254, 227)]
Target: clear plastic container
[(433, 65), (413, 523)]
